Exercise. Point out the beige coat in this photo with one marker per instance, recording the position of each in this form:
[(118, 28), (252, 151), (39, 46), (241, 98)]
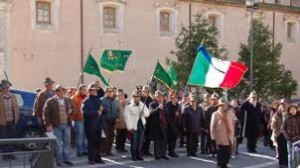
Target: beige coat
[(218, 128), (15, 109)]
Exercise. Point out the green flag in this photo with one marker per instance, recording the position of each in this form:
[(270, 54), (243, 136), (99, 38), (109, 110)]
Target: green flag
[(91, 67), (161, 75), (173, 76), (114, 60)]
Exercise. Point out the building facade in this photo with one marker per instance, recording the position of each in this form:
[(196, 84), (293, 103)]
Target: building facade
[(42, 38)]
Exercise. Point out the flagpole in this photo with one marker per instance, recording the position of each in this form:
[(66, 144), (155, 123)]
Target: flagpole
[(79, 80), (81, 75)]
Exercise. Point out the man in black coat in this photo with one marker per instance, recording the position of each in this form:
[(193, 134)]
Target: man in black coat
[(172, 114), (93, 124), (213, 107), (251, 110), (146, 99), (193, 125), (158, 125)]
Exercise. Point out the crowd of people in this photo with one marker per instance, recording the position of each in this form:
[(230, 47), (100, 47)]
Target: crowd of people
[(93, 118)]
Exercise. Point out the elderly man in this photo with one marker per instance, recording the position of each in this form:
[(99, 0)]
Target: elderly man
[(93, 124), (213, 107), (135, 118), (182, 104), (110, 115), (222, 132), (251, 110), (9, 116), (204, 105), (120, 125), (41, 99), (159, 126), (77, 117), (172, 115), (146, 99), (193, 124), (57, 117)]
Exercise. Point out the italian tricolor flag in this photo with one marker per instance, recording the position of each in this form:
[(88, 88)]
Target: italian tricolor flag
[(215, 73)]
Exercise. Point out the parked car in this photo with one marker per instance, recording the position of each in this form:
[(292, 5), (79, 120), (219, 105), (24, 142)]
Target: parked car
[(27, 126)]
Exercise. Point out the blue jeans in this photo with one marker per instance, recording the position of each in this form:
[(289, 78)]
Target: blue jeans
[(62, 150), (81, 144), (291, 163), (137, 141)]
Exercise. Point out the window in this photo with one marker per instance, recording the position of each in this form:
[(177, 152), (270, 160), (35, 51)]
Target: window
[(216, 21), (43, 12), (109, 17), (291, 31), (165, 21), (213, 20), (45, 15)]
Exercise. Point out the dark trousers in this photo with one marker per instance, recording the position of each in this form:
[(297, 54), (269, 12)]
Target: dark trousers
[(251, 144), (282, 150), (106, 145), (147, 139), (172, 139), (121, 139), (182, 138), (211, 146), (203, 142), (137, 141), (93, 143), (223, 155), (192, 143), (160, 145), (8, 131)]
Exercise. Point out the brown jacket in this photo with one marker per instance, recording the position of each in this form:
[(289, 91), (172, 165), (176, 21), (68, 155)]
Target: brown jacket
[(121, 121), (51, 111), (15, 109), (39, 104), (291, 128)]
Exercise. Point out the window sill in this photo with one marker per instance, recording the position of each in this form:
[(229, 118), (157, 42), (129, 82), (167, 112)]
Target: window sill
[(111, 30), (47, 27), (167, 34), (291, 41)]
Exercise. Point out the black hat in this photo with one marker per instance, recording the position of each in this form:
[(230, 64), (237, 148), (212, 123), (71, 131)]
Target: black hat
[(5, 84), (48, 81)]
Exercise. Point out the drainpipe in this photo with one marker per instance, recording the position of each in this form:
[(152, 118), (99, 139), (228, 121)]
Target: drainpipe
[(81, 40)]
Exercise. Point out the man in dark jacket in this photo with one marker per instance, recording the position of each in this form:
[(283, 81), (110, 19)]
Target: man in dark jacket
[(158, 126), (172, 116), (213, 107), (57, 117), (111, 113), (193, 124), (93, 124), (252, 119), (146, 99), (185, 101), (41, 99)]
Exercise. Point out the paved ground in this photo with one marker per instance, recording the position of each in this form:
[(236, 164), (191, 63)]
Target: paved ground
[(264, 159)]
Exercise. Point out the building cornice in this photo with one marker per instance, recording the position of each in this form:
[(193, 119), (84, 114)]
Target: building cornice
[(241, 4)]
